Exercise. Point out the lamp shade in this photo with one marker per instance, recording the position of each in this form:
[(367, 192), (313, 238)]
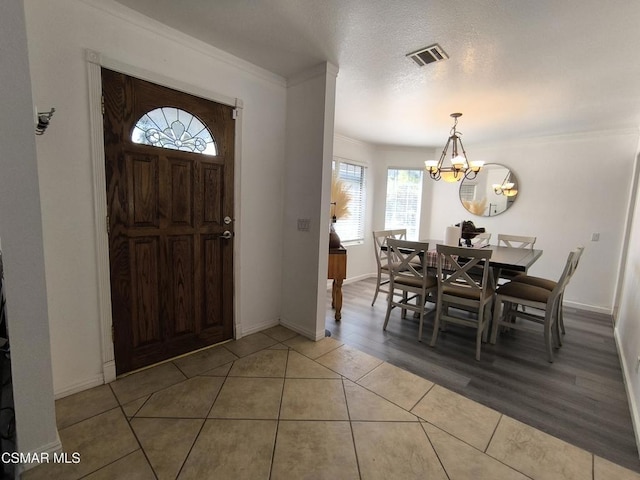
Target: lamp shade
[(451, 177)]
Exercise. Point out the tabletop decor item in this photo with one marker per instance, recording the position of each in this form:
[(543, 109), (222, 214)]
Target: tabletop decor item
[(469, 231)]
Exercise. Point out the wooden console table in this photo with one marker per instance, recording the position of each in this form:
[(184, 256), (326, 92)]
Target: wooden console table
[(337, 272)]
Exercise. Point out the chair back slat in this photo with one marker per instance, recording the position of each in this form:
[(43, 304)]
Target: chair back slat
[(380, 240), (410, 286), (567, 272), (481, 240), (464, 290), (380, 251), (406, 257), (455, 265), (516, 241)]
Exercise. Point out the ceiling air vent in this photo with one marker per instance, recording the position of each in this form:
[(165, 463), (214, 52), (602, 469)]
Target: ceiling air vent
[(430, 54)]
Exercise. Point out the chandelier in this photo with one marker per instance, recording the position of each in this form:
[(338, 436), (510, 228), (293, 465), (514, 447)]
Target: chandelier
[(459, 168)]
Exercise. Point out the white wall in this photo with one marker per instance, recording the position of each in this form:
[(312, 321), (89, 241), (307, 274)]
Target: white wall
[(570, 187), (628, 318), (309, 150), (21, 232), (58, 34)]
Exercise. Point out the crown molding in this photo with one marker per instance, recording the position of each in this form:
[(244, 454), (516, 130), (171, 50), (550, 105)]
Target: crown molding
[(321, 69), (562, 138), (125, 14)]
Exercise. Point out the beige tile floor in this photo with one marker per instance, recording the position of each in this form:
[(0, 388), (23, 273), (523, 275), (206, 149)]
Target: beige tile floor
[(274, 405)]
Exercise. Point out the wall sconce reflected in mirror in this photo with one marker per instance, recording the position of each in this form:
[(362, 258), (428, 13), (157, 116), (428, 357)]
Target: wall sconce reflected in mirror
[(43, 121)]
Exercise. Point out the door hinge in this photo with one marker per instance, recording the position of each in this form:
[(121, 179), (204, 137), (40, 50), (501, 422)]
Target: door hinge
[(234, 114), (108, 228), (102, 104)]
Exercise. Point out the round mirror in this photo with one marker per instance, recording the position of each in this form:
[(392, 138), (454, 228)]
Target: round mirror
[(491, 192)]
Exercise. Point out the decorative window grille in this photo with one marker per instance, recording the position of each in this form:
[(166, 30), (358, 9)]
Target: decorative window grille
[(404, 199), (351, 228), (170, 127)]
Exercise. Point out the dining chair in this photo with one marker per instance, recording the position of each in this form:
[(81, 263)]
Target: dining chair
[(512, 241), (481, 240), (516, 241), (408, 279), (550, 285), (381, 252), (458, 286), (514, 294)]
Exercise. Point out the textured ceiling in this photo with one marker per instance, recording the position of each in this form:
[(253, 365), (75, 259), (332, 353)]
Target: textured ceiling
[(516, 68)]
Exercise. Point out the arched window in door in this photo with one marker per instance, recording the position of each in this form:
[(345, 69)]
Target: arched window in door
[(169, 127)]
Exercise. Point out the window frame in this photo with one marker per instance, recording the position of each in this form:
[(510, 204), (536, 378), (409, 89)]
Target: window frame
[(160, 125), (360, 209), (412, 233)]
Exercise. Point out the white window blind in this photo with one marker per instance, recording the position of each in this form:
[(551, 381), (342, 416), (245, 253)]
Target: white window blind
[(404, 198), (467, 192), (351, 228)]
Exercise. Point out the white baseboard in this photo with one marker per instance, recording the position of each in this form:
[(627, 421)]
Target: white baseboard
[(257, 328), (109, 371), (587, 307), (50, 448), (358, 278), (311, 334), (347, 281), (94, 381), (633, 406)]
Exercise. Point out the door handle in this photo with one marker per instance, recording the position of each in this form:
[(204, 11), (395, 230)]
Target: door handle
[(227, 235)]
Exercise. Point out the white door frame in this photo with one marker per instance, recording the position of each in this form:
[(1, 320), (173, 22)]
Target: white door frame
[(95, 62)]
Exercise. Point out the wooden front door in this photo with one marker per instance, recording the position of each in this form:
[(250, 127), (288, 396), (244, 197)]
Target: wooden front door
[(169, 160)]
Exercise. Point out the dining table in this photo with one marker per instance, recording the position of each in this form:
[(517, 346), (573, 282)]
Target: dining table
[(507, 258), (519, 259)]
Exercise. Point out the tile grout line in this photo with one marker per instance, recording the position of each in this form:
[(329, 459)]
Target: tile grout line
[(133, 432), (275, 438), (278, 420), (434, 450), (204, 421), (502, 415), (473, 447), (117, 460), (495, 429), (422, 397), (353, 437)]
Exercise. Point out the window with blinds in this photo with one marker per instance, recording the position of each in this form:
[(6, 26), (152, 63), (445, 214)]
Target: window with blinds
[(351, 227), (404, 199), (467, 192)]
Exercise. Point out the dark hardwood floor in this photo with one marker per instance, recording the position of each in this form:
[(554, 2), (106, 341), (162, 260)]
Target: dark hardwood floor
[(580, 398)]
